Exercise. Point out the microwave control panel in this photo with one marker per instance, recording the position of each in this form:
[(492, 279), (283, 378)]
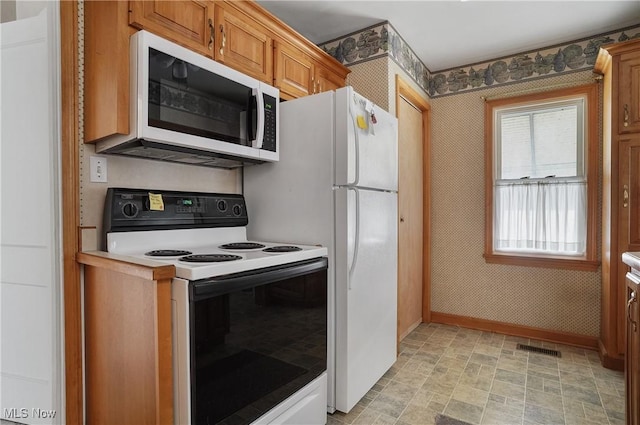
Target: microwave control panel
[(270, 119)]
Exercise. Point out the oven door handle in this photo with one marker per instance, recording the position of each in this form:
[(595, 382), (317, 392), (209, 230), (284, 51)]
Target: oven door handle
[(213, 287)]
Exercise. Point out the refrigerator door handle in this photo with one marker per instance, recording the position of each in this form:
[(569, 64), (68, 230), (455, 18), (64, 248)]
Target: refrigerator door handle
[(356, 241), (356, 179)]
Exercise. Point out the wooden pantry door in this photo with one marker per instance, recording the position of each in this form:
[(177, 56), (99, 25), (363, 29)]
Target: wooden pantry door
[(413, 209)]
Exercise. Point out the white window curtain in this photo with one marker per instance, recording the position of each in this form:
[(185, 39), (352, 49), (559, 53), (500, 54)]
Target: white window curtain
[(541, 216)]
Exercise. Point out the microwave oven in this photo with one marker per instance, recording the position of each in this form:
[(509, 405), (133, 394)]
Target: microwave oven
[(187, 108)]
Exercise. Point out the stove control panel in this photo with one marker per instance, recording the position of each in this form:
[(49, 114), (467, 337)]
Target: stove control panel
[(141, 209), (190, 206)]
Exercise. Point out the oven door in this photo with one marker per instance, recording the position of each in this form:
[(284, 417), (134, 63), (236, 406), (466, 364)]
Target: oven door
[(256, 338)]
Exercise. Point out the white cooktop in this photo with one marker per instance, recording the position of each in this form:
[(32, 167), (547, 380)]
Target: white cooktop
[(203, 242)]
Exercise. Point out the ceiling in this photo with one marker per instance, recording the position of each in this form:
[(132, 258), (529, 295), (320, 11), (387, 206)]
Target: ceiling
[(453, 33)]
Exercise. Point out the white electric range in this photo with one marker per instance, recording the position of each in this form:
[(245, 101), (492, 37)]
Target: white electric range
[(249, 318)]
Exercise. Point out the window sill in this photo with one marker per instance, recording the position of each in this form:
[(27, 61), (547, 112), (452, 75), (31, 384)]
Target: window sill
[(565, 263)]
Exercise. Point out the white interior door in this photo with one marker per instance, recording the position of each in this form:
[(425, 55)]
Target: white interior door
[(366, 291), (30, 253), (366, 151)]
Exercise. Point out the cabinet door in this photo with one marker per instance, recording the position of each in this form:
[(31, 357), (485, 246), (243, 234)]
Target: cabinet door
[(243, 44), (327, 80), (628, 200), (629, 205), (189, 23), (629, 92), (632, 354), (106, 69), (293, 71)]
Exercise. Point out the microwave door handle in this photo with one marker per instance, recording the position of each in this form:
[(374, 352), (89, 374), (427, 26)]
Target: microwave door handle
[(257, 143)]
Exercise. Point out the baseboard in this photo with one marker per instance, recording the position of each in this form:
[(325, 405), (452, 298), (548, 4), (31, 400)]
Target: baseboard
[(609, 361), (583, 341)]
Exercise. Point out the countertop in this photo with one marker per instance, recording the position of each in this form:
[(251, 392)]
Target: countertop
[(143, 268), (632, 259)]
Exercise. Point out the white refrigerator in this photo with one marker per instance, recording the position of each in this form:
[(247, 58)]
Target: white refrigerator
[(336, 185)]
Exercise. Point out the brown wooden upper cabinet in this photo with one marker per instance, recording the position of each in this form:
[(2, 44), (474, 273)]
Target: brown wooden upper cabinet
[(189, 23), (242, 43), (293, 71), (240, 34), (297, 74), (327, 80), (629, 102)]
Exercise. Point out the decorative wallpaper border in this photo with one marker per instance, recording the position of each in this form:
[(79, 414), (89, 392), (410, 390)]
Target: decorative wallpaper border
[(383, 40), (377, 41)]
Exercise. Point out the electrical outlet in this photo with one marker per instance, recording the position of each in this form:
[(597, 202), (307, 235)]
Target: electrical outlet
[(98, 169)]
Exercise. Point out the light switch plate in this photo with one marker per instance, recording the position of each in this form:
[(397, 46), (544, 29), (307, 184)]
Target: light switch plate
[(98, 166)]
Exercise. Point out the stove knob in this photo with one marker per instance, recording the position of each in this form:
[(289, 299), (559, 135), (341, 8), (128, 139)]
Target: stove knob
[(130, 210), (237, 210), (222, 205)]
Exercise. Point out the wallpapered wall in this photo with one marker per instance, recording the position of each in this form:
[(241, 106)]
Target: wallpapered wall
[(462, 283), (376, 80), (371, 80)]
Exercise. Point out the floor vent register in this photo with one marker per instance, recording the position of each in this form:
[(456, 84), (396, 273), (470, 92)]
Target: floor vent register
[(539, 350)]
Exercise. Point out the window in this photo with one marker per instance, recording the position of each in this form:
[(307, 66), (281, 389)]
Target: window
[(541, 179)]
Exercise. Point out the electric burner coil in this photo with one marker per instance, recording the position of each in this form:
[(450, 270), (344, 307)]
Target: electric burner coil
[(283, 248), (242, 245), (210, 258), (167, 253)]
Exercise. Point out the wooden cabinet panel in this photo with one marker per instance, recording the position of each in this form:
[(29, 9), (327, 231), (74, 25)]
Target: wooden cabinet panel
[(632, 355), (106, 69), (297, 74), (629, 172), (327, 80), (128, 343), (293, 71), (628, 214), (629, 101), (243, 44), (189, 23)]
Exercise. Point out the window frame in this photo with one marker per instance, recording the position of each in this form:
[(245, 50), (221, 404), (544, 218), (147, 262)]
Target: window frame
[(589, 261)]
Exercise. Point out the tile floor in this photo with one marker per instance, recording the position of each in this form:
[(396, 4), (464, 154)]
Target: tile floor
[(480, 377)]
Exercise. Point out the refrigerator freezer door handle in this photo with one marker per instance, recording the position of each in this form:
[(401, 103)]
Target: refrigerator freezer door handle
[(356, 179), (356, 241)]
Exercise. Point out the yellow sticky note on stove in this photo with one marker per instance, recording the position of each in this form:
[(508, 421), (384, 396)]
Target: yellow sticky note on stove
[(362, 123), (155, 202)]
